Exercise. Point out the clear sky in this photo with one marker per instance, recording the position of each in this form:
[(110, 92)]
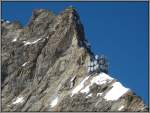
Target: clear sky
[(118, 30)]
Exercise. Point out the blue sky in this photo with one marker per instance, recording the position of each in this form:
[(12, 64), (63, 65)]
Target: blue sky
[(118, 30)]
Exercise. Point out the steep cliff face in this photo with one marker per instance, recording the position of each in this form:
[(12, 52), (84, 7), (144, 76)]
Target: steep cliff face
[(45, 68)]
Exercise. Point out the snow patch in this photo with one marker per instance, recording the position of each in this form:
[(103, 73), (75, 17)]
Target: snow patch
[(99, 94), (102, 78), (36, 41), (29, 43), (26, 43), (79, 87), (121, 108), (86, 89), (89, 95), (71, 85), (14, 40), (18, 100), (73, 78), (113, 94), (99, 79), (54, 102), (24, 64), (116, 92)]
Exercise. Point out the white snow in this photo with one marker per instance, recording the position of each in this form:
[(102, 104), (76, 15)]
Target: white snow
[(71, 85), (113, 94), (36, 41), (73, 78), (79, 87), (14, 40), (24, 64), (99, 79), (116, 92), (121, 108), (54, 102), (99, 94), (86, 89), (102, 78), (28, 43), (18, 100), (89, 95)]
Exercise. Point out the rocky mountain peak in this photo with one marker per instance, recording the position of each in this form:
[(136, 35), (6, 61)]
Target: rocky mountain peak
[(48, 65)]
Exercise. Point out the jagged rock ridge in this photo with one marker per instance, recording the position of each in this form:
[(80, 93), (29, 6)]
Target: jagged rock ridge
[(44, 68)]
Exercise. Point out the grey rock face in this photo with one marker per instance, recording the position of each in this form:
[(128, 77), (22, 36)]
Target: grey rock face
[(44, 62)]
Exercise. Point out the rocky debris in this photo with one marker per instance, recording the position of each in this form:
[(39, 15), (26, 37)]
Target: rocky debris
[(44, 68)]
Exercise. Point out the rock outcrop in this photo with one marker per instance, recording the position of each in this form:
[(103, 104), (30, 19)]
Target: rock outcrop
[(44, 68)]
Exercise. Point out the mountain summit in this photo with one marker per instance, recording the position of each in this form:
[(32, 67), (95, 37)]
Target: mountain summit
[(49, 66)]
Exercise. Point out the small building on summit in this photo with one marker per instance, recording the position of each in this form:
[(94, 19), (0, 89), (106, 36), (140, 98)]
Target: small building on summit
[(97, 65)]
